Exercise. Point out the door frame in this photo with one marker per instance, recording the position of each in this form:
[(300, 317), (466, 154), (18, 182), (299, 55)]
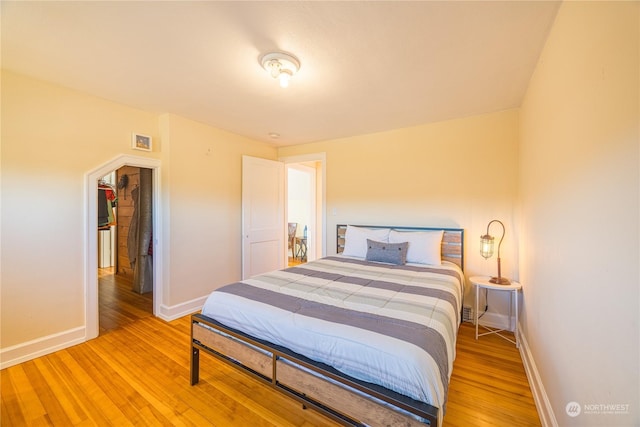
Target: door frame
[(92, 317), (321, 217)]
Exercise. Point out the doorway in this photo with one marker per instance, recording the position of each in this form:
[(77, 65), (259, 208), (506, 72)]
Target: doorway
[(305, 183), (92, 179), (301, 211), (125, 275)]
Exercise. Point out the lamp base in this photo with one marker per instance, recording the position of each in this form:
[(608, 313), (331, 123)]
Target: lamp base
[(500, 281)]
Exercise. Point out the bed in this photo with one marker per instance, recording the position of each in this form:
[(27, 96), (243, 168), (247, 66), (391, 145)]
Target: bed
[(366, 336)]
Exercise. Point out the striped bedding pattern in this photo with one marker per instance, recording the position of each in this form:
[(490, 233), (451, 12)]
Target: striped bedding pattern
[(394, 326)]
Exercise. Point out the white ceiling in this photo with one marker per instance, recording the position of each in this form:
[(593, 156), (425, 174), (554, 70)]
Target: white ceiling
[(365, 66)]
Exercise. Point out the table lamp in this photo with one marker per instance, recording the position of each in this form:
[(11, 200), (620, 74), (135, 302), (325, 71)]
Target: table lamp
[(486, 250)]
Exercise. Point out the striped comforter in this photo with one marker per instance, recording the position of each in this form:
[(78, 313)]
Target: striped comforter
[(394, 326)]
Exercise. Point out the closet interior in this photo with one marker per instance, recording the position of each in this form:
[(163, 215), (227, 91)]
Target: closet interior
[(125, 247)]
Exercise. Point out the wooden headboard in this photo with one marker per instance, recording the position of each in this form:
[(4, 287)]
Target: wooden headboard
[(452, 240)]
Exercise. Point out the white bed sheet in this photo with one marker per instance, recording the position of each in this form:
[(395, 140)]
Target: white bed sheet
[(361, 353)]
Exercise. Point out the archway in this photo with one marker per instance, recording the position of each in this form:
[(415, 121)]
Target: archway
[(91, 237)]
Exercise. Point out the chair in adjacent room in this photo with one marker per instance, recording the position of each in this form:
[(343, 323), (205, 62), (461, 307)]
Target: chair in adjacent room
[(293, 226)]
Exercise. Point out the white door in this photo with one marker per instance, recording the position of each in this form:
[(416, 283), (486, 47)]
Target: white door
[(263, 234)]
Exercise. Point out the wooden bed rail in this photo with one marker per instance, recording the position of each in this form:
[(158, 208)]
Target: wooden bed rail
[(342, 398)]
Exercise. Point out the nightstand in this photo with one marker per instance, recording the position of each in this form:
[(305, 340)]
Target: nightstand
[(513, 288)]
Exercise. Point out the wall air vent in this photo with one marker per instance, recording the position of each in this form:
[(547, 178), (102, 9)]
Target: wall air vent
[(467, 314)]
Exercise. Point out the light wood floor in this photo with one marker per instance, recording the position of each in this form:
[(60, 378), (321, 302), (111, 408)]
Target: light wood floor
[(295, 261), (138, 374), (118, 304)]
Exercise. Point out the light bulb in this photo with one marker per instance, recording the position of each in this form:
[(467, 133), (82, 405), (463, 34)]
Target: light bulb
[(284, 77)]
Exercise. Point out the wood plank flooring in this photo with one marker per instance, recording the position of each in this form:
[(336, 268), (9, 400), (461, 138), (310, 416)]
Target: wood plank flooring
[(118, 304), (138, 374), (488, 385), (294, 261)]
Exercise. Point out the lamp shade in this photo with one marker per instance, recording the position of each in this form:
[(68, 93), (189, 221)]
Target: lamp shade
[(486, 246)]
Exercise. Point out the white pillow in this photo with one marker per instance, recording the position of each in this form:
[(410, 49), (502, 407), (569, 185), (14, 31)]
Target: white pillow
[(355, 239), (425, 247)]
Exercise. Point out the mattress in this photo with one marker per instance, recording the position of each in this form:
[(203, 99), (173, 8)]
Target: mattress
[(390, 325)]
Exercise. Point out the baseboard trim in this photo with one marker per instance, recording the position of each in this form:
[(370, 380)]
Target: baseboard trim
[(173, 312), (545, 411), (496, 321), (29, 350), (23, 352)]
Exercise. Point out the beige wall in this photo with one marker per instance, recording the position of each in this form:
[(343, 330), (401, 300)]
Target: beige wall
[(400, 177), (458, 173), (51, 138), (580, 214), (203, 183)]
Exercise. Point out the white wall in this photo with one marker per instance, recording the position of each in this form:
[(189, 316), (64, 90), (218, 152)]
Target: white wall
[(579, 250)]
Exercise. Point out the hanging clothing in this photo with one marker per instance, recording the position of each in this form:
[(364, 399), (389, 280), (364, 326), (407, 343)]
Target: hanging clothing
[(139, 239), (106, 201), (103, 209)]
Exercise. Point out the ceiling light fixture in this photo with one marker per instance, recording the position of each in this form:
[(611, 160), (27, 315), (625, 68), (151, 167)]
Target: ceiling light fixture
[(281, 66)]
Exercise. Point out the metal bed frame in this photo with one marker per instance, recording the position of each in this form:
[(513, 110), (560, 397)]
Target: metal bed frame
[(344, 399)]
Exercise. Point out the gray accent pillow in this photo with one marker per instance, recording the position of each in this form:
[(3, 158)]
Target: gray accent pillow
[(390, 253)]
